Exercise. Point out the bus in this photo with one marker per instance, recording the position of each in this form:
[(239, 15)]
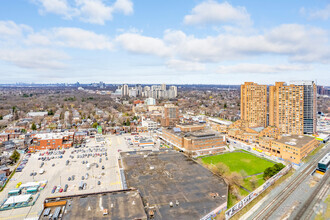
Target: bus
[(32, 190), (14, 192), (324, 163)]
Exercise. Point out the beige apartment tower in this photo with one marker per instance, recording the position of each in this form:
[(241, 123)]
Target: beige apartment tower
[(254, 104), (292, 108), (286, 108)]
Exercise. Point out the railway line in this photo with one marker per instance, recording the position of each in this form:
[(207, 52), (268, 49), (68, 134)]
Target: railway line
[(306, 211), (266, 212)]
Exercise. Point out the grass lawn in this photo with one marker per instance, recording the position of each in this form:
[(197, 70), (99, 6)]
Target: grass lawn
[(237, 161), (306, 159), (247, 183), (243, 193), (231, 201)]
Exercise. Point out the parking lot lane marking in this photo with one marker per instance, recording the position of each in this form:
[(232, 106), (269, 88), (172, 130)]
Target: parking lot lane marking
[(114, 183), (118, 139)]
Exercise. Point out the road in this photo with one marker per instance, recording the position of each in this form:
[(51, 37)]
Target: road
[(285, 200)]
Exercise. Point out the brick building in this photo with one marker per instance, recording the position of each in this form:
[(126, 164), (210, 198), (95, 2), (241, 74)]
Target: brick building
[(52, 141), (197, 141), (292, 148)]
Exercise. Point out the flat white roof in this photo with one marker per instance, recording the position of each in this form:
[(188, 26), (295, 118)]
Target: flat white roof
[(46, 136), (18, 199), (30, 184), (35, 114), (220, 121)]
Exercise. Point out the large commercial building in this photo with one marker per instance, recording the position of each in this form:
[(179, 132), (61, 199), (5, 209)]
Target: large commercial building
[(292, 148), (195, 139), (288, 147), (254, 104), (115, 205), (292, 108), (52, 141), (173, 186)]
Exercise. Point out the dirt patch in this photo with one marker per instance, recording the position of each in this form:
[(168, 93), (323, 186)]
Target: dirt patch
[(313, 181)]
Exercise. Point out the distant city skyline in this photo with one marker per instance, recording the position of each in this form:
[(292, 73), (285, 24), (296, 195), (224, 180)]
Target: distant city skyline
[(172, 42)]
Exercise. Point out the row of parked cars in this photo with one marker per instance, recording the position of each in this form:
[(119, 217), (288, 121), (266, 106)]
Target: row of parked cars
[(51, 154), (57, 189), (90, 150), (23, 164)]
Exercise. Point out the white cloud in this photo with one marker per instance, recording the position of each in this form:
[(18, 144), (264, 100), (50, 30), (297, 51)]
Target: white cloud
[(261, 68), (94, 11), (212, 12), (323, 14), (182, 65), (90, 11), (34, 58), (23, 47), (59, 7), (125, 6), (70, 37), (11, 29), (137, 43), (297, 42), (301, 43)]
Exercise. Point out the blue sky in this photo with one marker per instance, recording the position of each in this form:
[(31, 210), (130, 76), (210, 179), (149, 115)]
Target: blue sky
[(175, 42)]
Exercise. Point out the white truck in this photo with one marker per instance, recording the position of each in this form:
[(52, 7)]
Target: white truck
[(41, 171)]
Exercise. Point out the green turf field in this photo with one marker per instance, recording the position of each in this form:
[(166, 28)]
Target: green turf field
[(237, 161)]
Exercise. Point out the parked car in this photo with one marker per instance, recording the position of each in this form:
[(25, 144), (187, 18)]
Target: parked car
[(66, 187), (54, 189), (98, 182), (18, 184), (102, 167)]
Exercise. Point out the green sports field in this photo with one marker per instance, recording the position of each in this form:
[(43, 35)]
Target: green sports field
[(238, 161)]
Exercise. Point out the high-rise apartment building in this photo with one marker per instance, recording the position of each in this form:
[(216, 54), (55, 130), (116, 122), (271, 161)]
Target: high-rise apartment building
[(292, 108), (124, 90), (175, 90), (254, 104), (286, 108), (310, 105), (170, 116)]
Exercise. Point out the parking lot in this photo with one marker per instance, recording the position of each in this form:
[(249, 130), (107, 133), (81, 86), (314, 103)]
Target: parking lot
[(58, 173)]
